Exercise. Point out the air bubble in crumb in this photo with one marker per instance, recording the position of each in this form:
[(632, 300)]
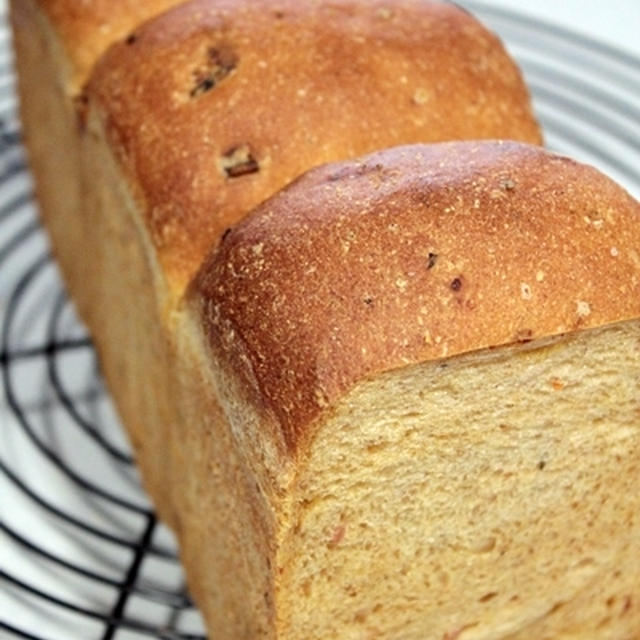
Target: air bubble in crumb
[(525, 291), (583, 308), (483, 545)]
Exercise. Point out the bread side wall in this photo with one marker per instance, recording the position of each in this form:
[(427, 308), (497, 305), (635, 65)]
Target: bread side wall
[(90, 218), (98, 246), (491, 496), (228, 516), (52, 138), (129, 326)]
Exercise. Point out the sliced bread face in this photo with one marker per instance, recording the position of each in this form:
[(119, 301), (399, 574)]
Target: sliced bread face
[(429, 359)]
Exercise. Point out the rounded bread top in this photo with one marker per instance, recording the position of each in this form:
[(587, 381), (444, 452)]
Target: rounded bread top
[(413, 254), (87, 29), (217, 104)]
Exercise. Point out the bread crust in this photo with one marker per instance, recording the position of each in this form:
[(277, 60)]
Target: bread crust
[(217, 104), (89, 28), (414, 254)]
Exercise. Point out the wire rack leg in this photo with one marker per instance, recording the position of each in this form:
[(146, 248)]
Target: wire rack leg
[(130, 579)]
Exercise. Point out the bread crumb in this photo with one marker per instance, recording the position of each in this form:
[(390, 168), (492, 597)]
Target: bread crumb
[(525, 291), (614, 252), (321, 398), (596, 224), (421, 96), (583, 308), (539, 276)]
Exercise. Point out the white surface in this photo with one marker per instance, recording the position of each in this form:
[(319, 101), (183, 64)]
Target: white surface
[(585, 95), (616, 22)]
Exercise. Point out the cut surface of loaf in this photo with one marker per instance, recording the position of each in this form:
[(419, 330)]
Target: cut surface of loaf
[(140, 173), (428, 360)]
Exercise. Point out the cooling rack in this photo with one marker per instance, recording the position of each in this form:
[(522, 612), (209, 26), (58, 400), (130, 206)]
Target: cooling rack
[(82, 556)]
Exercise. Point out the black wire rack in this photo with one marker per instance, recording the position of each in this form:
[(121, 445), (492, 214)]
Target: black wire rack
[(82, 555)]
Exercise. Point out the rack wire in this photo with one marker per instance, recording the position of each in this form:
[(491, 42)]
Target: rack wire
[(82, 555)]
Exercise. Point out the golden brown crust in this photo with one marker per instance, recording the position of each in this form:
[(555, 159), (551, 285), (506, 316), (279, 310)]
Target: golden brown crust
[(413, 254), (88, 28), (217, 104)]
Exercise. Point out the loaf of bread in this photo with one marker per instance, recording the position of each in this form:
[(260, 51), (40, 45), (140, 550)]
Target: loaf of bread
[(400, 399), (430, 359), (191, 119)]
